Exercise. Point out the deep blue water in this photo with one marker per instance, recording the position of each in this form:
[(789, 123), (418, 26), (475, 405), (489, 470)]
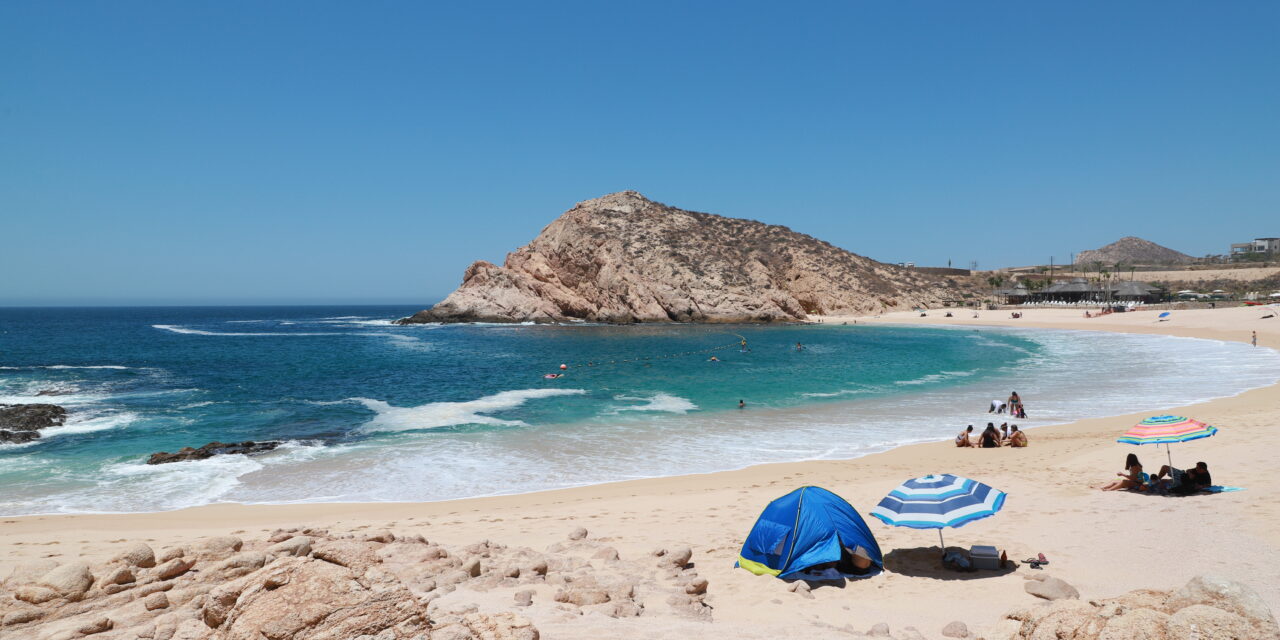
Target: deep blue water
[(465, 408)]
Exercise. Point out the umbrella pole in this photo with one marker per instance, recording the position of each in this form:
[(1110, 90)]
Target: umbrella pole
[(940, 542), (1168, 453)]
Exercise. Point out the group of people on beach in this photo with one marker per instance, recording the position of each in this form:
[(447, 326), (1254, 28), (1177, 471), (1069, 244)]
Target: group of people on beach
[(1006, 435), (1013, 406), (1182, 482)]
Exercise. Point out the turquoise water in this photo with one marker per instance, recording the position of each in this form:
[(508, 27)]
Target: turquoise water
[(373, 411)]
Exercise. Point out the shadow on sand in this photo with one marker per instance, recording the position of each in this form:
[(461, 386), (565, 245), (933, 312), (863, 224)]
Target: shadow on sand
[(926, 562)]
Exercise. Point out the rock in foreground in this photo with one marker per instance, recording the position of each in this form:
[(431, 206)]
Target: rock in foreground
[(625, 258), (1206, 607), (212, 449)]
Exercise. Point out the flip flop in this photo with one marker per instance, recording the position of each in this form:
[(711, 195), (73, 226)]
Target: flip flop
[(1041, 558)]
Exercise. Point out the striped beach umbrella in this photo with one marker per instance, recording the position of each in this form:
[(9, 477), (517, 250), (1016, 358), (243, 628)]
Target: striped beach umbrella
[(938, 501), (1167, 430)]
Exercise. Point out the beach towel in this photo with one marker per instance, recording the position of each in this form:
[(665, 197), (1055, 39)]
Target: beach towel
[(1217, 488)]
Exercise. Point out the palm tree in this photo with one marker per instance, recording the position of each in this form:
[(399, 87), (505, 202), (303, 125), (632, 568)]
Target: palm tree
[(995, 281)]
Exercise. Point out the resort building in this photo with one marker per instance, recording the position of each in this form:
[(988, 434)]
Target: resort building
[(1080, 290), (1259, 245)]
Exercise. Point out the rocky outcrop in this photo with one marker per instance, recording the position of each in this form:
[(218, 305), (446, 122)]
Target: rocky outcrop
[(22, 422), (210, 450), (1206, 607), (624, 258), (1131, 250), (378, 586)]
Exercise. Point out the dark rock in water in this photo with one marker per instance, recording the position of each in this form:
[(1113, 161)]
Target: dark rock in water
[(22, 422), (212, 449)]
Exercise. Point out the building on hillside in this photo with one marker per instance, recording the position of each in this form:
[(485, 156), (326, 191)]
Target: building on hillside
[(1259, 245)]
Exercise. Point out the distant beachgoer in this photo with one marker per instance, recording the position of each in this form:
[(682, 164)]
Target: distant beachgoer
[(1004, 430), (799, 347), (996, 407), (962, 439), (1130, 478), (713, 359), (1017, 438), (563, 367), (744, 344), (742, 405), (990, 438), (1185, 483), (1255, 338)]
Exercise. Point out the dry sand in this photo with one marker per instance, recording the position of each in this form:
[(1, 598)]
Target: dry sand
[(1103, 543)]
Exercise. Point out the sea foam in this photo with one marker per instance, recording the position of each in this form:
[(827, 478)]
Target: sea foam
[(657, 402), (444, 414), (200, 332)]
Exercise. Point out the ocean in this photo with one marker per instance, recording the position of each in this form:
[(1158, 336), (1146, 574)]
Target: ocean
[(370, 411)]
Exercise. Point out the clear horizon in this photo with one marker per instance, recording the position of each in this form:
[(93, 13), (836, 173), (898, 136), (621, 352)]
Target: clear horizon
[(321, 153)]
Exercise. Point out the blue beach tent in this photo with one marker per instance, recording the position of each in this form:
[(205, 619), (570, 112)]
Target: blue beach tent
[(806, 527)]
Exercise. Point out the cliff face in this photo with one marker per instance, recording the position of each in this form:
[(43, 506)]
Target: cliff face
[(624, 258), (1132, 250)]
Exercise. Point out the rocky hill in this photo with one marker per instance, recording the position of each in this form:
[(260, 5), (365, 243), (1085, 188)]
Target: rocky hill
[(625, 258), (1132, 250)]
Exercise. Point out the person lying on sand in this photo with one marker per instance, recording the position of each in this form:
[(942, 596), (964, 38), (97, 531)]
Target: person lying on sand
[(1183, 483), (963, 440), (1017, 438), (1130, 478)]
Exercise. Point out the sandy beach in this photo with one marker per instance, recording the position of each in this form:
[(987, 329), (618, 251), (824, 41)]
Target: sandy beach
[(1102, 543)]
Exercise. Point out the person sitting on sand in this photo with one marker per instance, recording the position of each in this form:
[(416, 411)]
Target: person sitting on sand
[(1004, 430), (1017, 438), (1130, 478), (1184, 483), (962, 440), (990, 438)]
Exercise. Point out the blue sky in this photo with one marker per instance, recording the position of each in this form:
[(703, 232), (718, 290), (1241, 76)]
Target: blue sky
[(311, 152)]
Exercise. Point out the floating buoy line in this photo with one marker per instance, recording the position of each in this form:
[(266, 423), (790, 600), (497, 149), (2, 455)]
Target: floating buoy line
[(740, 344)]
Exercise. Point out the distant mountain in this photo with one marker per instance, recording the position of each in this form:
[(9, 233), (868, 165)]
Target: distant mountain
[(1131, 250), (625, 258)]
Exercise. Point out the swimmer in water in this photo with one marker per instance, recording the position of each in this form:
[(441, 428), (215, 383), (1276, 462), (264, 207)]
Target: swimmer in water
[(742, 405), (713, 359), (799, 347)]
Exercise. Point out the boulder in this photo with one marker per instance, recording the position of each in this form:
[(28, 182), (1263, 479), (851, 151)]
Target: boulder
[(319, 600), (578, 534), (347, 553), (117, 576), (294, 546), (1051, 589), (956, 629), (1204, 621), (220, 546), (1137, 624), (70, 580), (676, 557), (169, 553), (156, 601), (879, 630), (138, 555), (524, 598), (21, 616), (174, 568), (212, 449), (1229, 596), (35, 594)]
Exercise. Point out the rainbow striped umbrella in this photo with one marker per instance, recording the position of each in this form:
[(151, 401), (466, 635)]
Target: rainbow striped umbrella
[(1166, 430)]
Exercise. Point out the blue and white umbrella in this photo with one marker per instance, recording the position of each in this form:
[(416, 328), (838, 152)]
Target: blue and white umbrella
[(938, 501)]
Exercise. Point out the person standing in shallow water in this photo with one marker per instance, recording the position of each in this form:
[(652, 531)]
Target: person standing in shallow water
[(742, 404), (1255, 338)]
